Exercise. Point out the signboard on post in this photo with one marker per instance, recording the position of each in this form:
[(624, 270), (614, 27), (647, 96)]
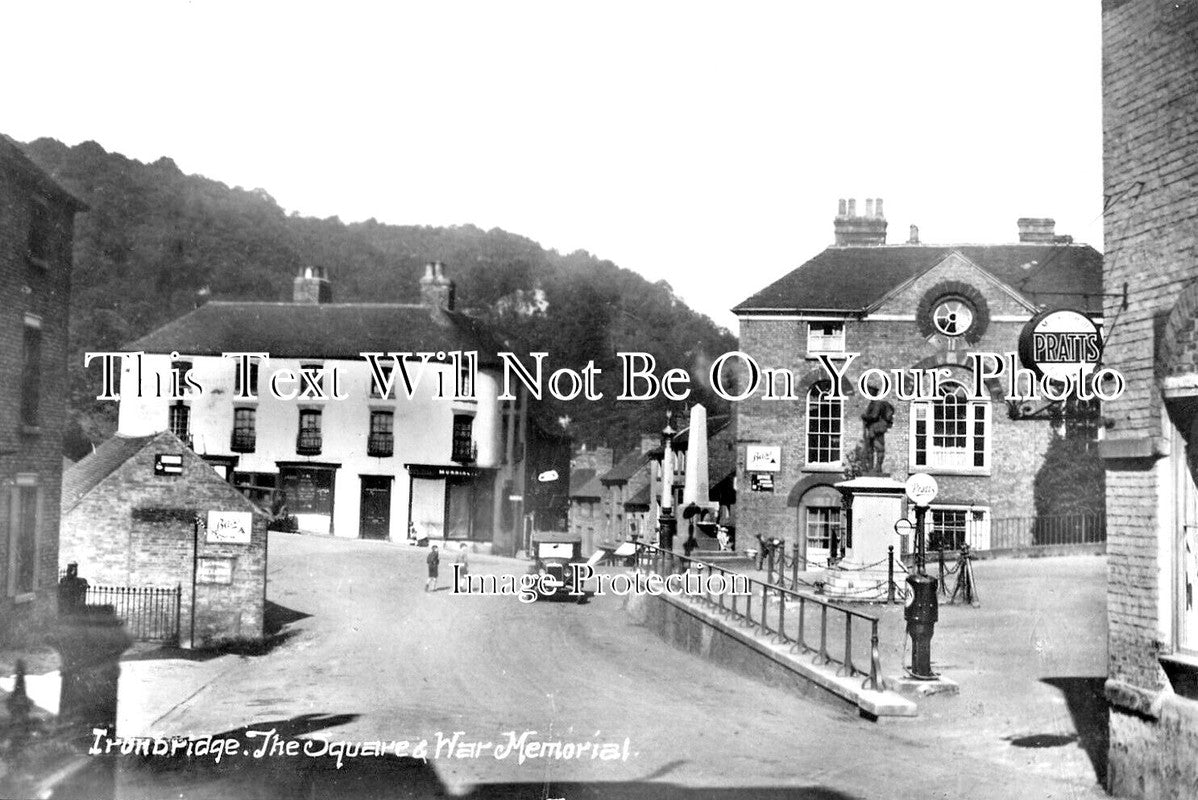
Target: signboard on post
[(921, 489)]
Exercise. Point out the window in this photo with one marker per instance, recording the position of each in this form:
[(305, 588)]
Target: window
[(947, 529), (24, 512), (952, 316), (257, 486), (39, 233), (312, 381), (463, 438), (386, 370), (381, 442), (505, 420), (180, 421), (179, 375), (825, 337), (823, 526), (823, 425), (952, 432), (308, 443), (244, 430), (252, 389), (31, 371)]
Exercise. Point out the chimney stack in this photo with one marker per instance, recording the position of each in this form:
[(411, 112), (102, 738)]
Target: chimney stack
[(854, 231), (1037, 229), (436, 290), (311, 286)]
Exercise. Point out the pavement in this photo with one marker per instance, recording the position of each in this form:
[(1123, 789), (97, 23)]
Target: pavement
[(364, 654)]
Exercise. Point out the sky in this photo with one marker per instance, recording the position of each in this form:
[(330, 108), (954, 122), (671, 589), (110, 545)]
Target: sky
[(700, 143)]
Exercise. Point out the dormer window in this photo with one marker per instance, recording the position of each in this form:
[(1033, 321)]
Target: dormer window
[(825, 337)]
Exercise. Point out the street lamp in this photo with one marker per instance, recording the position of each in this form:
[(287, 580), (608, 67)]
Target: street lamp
[(667, 523)]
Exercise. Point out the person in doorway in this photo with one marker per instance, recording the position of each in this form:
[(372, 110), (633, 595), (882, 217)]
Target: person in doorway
[(461, 559), (434, 563)]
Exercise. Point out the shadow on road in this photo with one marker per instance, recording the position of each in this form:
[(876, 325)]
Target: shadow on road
[(276, 619), (1087, 705)]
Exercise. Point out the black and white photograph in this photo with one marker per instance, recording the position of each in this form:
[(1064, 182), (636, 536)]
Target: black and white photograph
[(573, 401)]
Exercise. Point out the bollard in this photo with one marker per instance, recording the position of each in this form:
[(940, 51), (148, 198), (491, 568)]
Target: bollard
[(890, 574)]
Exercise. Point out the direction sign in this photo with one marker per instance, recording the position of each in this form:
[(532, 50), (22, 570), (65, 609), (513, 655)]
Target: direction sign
[(921, 488)]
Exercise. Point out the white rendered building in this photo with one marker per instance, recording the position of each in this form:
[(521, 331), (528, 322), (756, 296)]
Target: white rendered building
[(310, 429)]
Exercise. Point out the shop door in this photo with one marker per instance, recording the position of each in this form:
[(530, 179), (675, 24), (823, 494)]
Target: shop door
[(375, 514), (1185, 448)]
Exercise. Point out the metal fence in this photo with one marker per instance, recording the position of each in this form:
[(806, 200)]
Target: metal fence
[(1044, 531), (787, 616), (150, 613)]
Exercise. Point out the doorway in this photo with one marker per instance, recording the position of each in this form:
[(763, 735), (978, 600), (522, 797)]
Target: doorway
[(374, 519)]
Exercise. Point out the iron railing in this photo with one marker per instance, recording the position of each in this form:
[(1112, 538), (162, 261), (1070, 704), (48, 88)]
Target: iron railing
[(150, 613), (1043, 531), (771, 610)]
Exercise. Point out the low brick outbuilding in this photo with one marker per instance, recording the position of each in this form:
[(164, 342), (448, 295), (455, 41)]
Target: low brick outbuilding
[(148, 511)]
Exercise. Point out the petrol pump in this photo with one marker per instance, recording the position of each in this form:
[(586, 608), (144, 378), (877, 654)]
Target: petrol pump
[(922, 609)]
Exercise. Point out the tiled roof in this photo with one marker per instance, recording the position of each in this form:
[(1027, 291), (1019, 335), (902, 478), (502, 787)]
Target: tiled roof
[(580, 478), (87, 472), (638, 500), (851, 279), (591, 490), (13, 158), (324, 330), (625, 468)]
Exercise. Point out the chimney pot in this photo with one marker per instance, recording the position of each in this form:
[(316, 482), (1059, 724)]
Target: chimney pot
[(436, 289), (853, 207), (869, 206), (311, 286), (914, 238), (844, 208), (878, 209)]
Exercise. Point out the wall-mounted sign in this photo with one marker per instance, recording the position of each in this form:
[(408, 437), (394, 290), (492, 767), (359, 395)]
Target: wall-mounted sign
[(214, 570), (168, 464), (1060, 344), (922, 489), (762, 459), (230, 527), (761, 482)]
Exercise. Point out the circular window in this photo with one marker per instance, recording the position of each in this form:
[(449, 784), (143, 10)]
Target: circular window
[(952, 316), (953, 309)]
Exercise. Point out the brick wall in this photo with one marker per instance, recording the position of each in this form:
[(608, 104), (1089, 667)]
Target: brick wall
[(137, 529), (1150, 110), (1017, 447), (42, 290)]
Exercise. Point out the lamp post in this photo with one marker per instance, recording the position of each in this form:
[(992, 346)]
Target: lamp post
[(667, 523)]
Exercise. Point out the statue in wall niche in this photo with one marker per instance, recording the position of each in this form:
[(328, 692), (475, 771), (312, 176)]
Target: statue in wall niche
[(877, 419)]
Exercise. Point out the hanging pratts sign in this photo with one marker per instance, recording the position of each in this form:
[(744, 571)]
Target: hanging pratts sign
[(1058, 345)]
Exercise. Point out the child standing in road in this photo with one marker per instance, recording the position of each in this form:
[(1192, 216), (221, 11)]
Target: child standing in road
[(461, 558), (434, 561)]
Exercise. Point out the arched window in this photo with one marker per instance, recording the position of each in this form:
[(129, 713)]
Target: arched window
[(952, 432), (823, 425)]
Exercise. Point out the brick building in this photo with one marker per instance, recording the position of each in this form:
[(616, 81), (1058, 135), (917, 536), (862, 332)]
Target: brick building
[(1150, 112), (36, 236), (907, 306), (146, 511), (345, 459)]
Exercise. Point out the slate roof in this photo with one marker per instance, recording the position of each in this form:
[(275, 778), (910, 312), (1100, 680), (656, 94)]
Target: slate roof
[(639, 500), (87, 472), (579, 478), (324, 330), (13, 158), (850, 279), (625, 468), (591, 490)]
